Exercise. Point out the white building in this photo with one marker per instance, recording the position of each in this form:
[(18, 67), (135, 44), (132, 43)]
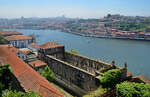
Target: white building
[(19, 41)]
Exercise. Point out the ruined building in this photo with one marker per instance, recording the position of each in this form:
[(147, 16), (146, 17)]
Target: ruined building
[(77, 73)]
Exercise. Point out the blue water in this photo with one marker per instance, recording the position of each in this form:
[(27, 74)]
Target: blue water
[(135, 53)]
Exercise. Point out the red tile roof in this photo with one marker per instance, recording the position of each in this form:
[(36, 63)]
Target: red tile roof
[(7, 33), (129, 74), (11, 48), (34, 45), (143, 78), (15, 50), (26, 52), (51, 45), (142, 32), (28, 78), (18, 37), (37, 63)]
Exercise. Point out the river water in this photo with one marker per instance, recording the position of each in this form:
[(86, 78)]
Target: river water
[(135, 53)]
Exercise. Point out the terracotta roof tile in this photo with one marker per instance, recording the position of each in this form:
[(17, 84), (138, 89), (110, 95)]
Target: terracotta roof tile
[(34, 45), (18, 37), (37, 63), (129, 74), (26, 52), (11, 48), (6, 33), (15, 50), (142, 32), (142, 78), (28, 78), (51, 45)]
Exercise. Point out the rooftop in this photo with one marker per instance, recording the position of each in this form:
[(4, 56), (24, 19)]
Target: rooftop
[(18, 37), (7, 33), (34, 45), (51, 45), (25, 51), (28, 78), (142, 33), (143, 78), (37, 63), (128, 74), (15, 50), (11, 48)]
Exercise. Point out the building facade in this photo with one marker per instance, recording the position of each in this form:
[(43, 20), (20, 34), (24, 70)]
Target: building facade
[(77, 73), (19, 41), (52, 48)]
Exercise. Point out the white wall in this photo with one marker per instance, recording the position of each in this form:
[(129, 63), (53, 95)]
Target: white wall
[(20, 43)]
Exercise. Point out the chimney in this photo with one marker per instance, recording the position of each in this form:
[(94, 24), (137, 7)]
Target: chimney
[(34, 65), (125, 66), (113, 64), (9, 45)]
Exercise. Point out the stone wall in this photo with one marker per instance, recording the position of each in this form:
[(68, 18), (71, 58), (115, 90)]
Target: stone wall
[(85, 63), (72, 77), (57, 52), (77, 73)]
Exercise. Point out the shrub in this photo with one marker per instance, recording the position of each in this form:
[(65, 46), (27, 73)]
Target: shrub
[(10, 93), (2, 40), (47, 73), (31, 94), (73, 51), (128, 89), (96, 93), (111, 78), (1, 88), (6, 76)]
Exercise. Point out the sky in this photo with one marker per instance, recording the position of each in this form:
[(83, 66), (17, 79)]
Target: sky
[(73, 8)]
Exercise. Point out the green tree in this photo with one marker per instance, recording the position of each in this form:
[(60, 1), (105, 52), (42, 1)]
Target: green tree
[(111, 78), (47, 73), (31, 94), (2, 40), (1, 88), (10, 93), (6, 76), (128, 89)]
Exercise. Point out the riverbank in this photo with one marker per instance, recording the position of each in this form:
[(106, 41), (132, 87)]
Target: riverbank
[(95, 36), (107, 37), (135, 53)]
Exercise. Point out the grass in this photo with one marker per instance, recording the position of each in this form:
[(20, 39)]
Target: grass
[(65, 93), (97, 93)]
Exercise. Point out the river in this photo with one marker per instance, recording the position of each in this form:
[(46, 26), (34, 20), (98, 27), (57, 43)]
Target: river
[(135, 53)]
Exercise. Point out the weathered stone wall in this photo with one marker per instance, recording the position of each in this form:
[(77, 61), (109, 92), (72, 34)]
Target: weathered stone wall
[(77, 73), (57, 52), (85, 63), (16, 85), (74, 78)]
